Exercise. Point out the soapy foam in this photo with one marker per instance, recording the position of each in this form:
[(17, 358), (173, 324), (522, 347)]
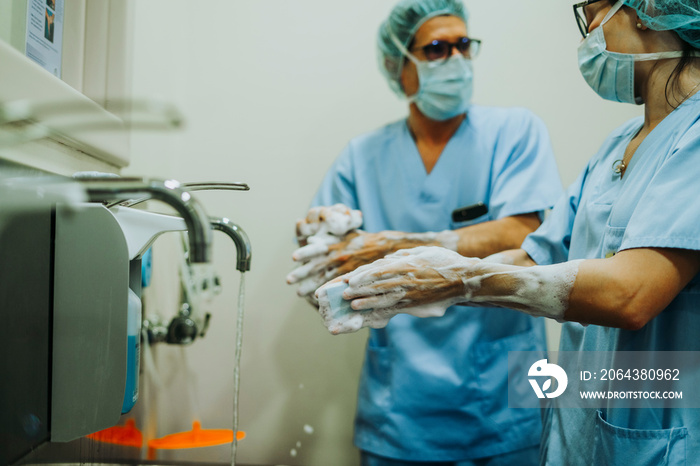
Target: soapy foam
[(448, 239), (314, 248), (324, 226), (312, 267), (538, 290), (337, 315), (337, 220), (499, 258), (311, 284)]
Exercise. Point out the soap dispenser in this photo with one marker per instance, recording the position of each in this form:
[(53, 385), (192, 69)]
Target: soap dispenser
[(133, 352)]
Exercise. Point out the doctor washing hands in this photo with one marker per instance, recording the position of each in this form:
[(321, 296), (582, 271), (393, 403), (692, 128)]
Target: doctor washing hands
[(620, 251), (428, 391)]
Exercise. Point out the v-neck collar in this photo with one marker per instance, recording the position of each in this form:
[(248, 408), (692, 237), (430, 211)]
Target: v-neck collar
[(642, 149), (414, 159)]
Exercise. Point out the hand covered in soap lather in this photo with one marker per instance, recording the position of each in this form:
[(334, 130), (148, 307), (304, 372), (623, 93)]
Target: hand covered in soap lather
[(425, 281), (325, 258), (354, 250), (422, 281), (336, 220), (322, 227), (339, 317)]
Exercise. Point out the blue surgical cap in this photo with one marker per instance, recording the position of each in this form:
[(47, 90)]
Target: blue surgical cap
[(681, 16), (403, 21)]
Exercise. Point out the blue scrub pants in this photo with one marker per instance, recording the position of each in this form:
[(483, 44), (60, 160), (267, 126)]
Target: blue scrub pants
[(525, 457)]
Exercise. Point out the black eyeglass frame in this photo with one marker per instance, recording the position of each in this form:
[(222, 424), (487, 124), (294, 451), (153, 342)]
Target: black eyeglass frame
[(581, 19), (461, 41)]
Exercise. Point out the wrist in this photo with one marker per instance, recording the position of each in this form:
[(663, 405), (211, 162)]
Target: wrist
[(460, 278), (446, 239), (541, 291)]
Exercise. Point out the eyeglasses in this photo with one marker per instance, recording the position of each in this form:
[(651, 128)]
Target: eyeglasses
[(581, 19), (442, 49)]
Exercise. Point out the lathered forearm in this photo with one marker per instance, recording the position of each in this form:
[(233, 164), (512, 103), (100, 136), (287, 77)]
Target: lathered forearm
[(397, 240), (425, 281), (332, 256), (626, 291), (323, 259), (538, 291), (436, 278)]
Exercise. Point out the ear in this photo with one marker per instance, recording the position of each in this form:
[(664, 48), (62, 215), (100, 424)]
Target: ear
[(641, 26)]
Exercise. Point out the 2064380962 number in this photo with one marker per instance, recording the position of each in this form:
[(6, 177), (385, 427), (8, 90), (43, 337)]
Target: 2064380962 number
[(640, 374)]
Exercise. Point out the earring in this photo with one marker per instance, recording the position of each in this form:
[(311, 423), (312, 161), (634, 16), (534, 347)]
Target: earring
[(639, 25)]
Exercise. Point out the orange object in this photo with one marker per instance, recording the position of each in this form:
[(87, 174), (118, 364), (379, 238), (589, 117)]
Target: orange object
[(195, 438), (127, 435)]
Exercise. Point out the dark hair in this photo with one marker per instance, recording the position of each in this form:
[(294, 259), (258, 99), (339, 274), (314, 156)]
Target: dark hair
[(673, 84)]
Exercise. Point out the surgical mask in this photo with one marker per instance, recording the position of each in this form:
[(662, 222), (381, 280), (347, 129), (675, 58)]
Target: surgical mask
[(445, 86), (611, 74), (446, 89)]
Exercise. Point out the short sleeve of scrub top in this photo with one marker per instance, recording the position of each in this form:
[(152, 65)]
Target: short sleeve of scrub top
[(667, 214), (549, 244), (584, 210)]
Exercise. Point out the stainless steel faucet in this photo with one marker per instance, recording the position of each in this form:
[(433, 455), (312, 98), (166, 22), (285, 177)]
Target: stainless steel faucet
[(169, 191), (182, 329), (236, 233)]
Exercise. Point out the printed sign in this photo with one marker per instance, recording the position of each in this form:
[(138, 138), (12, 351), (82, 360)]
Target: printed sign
[(45, 34)]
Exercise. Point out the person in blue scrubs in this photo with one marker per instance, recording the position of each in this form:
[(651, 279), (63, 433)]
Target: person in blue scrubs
[(620, 252), (433, 391)]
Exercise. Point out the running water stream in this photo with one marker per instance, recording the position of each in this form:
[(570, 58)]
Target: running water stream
[(236, 367)]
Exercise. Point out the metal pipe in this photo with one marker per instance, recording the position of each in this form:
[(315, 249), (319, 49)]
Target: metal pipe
[(216, 185), (19, 194), (199, 186), (239, 237), (169, 191)]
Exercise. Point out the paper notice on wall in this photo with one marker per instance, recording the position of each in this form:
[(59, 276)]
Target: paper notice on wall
[(45, 33)]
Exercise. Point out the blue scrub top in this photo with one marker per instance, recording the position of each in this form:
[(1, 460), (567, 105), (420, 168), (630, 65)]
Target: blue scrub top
[(435, 389), (656, 204)]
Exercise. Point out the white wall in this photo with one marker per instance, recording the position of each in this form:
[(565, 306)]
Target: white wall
[(272, 91)]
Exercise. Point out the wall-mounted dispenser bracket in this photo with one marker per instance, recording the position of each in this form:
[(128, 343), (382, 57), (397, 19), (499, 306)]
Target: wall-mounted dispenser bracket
[(91, 280)]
